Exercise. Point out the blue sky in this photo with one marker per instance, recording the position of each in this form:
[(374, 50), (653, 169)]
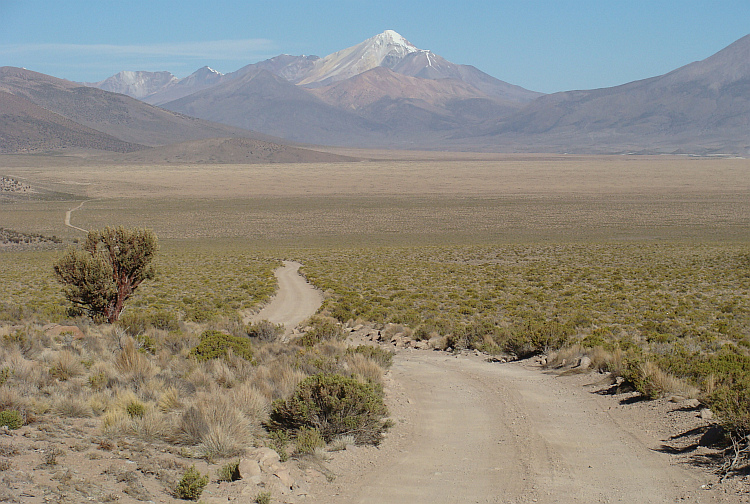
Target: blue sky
[(543, 45)]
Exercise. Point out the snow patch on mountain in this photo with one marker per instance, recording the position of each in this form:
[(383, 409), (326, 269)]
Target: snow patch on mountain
[(136, 84)]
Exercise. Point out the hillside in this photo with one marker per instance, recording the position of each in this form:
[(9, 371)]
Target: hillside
[(26, 127), (117, 115), (701, 108)]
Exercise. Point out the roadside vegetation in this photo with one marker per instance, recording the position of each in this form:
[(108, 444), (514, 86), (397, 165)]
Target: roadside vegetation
[(180, 367), (664, 318)]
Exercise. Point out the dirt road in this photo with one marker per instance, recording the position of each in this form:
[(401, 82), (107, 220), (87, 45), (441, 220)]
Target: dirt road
[(295, 300), (67, 218), (472, 431)]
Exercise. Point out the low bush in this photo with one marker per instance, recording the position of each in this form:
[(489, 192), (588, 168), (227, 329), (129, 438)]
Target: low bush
[(308, 440), (11, 419), (229, 472), (263, 498), (383, 358), (334, 405), (265, 330), (215, 345), (536, 337), (322, 329), (278, 440), (191, 485)]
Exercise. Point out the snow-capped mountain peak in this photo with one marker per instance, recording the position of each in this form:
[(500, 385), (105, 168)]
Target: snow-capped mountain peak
[(385, 49)]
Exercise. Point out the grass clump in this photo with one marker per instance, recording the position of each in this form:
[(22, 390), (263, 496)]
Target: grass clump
[(263, 498), (191, 484), (264, 330), (322, 329), (383, 358), (308, 440), (11, 419), (229, 472), (135, 409), (335, 405), (278, 440), (215, 345)]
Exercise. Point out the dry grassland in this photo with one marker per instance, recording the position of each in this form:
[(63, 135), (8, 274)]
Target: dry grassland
[(480, 199)]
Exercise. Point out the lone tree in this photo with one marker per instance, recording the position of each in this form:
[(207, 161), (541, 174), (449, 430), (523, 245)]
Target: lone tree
[(110, 267)]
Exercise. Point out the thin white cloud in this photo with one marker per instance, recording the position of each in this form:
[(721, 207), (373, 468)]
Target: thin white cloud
[(212, 49)]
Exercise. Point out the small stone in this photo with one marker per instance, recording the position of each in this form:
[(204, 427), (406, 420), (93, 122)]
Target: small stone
[(249, 468), (585, 362), (707, 414), (287, 482), (691, 404)]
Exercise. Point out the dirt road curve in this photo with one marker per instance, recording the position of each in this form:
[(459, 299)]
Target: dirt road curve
[(67, 218), (471, 431), (295, 299)]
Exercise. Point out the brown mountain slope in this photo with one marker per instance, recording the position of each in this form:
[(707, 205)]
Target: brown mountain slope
[(117, 115), (25, 127), (419, 110), (700, 108)]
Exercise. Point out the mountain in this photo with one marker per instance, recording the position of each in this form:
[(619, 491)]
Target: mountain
[(26, 127), (116, 115), (291, 68), (391, 50), (701, 108), (383, 50), (262, 101), (158, 87), (382, 92), (135, 84), (419, 109)]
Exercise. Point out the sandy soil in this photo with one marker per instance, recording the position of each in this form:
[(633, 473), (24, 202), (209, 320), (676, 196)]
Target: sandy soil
[(295, 300), (468, 430)]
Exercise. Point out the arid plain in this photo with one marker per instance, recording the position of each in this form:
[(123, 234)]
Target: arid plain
[(414, 198)]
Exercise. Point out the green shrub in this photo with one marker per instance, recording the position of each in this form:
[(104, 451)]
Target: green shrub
[(138, 321), (147, 343), (135, 409), (191, 484), (4, 375), (265, 330), (334, 405), (263, 498), (636, 375), (229, 472), (322, 329), (98, 381), (536, 337), (383, 358), (308, 440), (278, 440), (11, 419), (215, 344)]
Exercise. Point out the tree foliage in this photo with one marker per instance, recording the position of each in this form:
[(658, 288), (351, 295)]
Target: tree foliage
[(104, 273)]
